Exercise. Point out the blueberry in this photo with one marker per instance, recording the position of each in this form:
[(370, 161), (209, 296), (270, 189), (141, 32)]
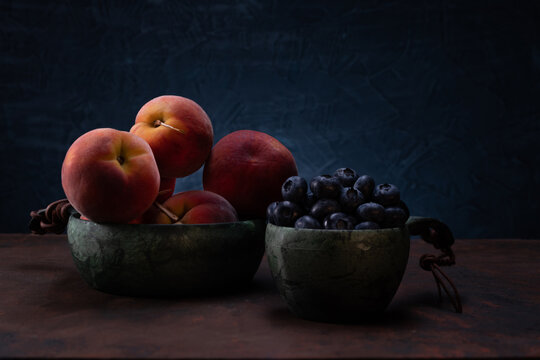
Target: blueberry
[(307, 222), (394, 217), (367, 225), (294, 189), (370, 212), (386, 194), (325, 187), (270, 212), (350, 199), (309, 201), (405, 208), (346, 176), (353, 219), (339, 221), (365, 184), (324, 207), (286, 213)]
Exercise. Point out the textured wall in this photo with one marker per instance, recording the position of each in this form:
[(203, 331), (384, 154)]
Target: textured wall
[(438, 97)]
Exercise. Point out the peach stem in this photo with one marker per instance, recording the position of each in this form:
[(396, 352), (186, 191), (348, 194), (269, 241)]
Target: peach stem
[(167, 212), (161, 123)]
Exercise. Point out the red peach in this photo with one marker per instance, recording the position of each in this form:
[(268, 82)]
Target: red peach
[(135, 221), (196, 207), (110, 176), (248, 168), (179, 133), (166, 189)]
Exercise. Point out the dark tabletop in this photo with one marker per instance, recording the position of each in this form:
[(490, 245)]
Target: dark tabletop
[(47, 310)]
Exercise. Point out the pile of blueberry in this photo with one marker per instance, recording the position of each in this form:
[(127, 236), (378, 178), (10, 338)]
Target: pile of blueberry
[(342, 201)]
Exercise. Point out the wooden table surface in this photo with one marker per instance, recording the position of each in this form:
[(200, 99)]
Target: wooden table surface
[(47, 310)]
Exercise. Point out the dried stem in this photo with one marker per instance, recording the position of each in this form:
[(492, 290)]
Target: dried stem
[(167, 212), (161, 123)]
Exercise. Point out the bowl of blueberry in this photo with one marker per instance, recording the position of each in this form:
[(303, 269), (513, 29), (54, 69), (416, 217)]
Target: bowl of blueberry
[(338, 247)]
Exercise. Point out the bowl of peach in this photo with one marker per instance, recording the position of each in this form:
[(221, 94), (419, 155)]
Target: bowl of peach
[(166, 259), (130, 234)]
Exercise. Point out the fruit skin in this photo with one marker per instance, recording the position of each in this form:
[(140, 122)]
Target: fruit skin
[(365, 225), (197, 207), (309, 202), (325, 187), (324, 207), (362, 206), (166, 189), (270, 212), (346, 176), (248, 168), (286, 213), (350, 199), (339, 221), (294, 189), (394, 217), (386, 194), (365, 184), (405, 208), (307, 222), (352, 218), (110, 176), (177, 154), (370, 212)]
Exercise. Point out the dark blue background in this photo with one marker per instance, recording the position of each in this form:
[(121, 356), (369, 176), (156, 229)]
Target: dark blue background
[(438, 97)]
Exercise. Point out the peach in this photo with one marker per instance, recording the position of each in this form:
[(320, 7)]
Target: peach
[(166, 189), (110, 176), (135, 221), (195, 207), (247, 168), (179, 133)]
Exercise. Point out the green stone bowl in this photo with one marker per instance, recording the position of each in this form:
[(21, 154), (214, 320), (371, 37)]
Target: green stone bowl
[(339, 275), (166, 260)]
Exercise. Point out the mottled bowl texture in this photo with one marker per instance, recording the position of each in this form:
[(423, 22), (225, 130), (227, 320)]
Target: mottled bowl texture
[(166, 260), (337, 275)]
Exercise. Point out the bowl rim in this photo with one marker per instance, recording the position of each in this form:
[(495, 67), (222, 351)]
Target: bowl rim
[(77, 217), (290, 228)]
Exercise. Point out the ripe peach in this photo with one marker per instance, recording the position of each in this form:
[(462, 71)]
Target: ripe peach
[(166, 189), (196, 207), (248, 168), (178, 131), (134, 221), (110, 176)]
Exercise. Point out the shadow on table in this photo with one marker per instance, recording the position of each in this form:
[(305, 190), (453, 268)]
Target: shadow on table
[(70, 282), (394, 317), (402, 312), (61, 287)]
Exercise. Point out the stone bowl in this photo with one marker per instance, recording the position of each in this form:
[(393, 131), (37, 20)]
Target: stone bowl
[(166, 260), (339, 275)]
